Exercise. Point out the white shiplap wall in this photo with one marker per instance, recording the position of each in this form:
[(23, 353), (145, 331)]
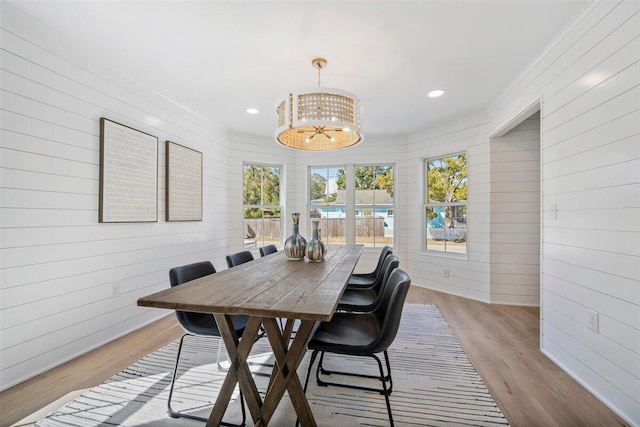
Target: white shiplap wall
[(58, 264), (589, 83), (468, 276), (515, 215)]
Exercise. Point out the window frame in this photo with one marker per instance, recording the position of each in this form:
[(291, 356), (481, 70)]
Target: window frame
[(362, 207), (279, 207), (350, 205), (310, 206), (426, 205)]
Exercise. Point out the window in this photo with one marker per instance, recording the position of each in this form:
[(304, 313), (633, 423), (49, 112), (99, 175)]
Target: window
[(262, 209), (446, 204), (366, 217), (327, 202), (374, 187)]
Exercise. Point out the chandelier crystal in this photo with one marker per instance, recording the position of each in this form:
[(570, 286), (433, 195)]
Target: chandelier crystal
[(319, 118)]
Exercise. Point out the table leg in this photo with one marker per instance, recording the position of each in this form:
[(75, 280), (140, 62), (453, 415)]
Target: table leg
[(286, 336), (288, 358), (239, 371)]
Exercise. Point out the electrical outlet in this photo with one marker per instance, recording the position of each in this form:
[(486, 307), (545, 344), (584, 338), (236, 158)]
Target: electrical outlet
[(553, 211), (593, 320), (445, 273), (115, 289)]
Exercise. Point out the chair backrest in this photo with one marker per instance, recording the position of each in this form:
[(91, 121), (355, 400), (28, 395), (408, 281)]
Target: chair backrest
[(239, 258), (386, 251), (267, 250), (389, 311), (187, 273), (390, 263)]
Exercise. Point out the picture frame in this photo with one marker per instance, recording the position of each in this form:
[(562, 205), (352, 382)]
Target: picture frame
[(128, 174), (183, 183)]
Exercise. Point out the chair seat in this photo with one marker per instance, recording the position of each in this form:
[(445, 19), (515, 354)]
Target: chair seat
[(361, 280), (205, 324), (358, 300), (347, 333)]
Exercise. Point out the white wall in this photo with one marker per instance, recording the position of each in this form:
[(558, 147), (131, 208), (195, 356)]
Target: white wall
[(503, 239), (589, 83), (58, 263), (468, 276), (515, 215)]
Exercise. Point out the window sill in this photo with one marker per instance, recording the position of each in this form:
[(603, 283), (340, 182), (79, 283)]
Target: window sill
[(448, 255)]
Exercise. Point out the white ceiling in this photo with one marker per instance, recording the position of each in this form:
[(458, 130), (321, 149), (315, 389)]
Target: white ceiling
[(221, 57)]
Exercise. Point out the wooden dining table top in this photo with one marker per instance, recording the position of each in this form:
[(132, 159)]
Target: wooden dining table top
[(271, 286)]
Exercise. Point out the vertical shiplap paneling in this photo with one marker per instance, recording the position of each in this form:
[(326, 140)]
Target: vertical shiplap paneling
[(589, 85), (515, 215), (468, 276), (58, 265)]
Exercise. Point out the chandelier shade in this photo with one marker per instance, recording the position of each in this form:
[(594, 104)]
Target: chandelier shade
[(318, 118)]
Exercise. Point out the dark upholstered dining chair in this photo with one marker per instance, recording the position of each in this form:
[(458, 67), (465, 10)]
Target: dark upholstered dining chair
[(268, 250), (367, 279), (363, 334), (239, 258), (199, 324), (368, 299)]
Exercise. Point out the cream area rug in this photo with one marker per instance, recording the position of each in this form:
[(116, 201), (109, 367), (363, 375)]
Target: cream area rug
[(434, 384)]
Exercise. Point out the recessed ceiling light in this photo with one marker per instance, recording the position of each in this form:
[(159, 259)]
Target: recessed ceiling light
[(252, 110), (435, 93)]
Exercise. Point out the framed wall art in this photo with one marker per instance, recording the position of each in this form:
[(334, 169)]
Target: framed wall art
[(184, 183), (128, 174)]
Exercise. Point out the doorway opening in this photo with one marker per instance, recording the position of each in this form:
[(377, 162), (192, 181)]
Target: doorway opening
[(515, 204)]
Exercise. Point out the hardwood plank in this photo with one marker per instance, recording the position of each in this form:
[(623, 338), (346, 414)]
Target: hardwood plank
[(86, 371), (503, 344)]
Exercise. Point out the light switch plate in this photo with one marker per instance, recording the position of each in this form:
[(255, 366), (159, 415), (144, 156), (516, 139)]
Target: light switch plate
[(593, 320)]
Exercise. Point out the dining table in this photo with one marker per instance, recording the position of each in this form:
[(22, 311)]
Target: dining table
[(266, 289)]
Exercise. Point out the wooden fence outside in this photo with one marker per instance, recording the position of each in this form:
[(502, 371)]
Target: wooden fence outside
[(334, 227)]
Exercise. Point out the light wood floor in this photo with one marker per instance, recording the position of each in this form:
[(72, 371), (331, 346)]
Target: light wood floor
[(501, 341)]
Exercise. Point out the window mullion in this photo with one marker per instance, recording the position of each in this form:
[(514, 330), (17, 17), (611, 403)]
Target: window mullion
[(350, 199)]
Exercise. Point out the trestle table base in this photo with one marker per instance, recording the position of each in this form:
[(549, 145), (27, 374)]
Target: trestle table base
[(288, 356)]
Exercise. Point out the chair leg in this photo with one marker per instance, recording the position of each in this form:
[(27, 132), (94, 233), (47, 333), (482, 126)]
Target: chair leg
[(220, 367), (313, 359), (323, 371), (176, 414), (306, 381), (388, 377), (384, 387), (173, 413), (318, 380), (382, 378)]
